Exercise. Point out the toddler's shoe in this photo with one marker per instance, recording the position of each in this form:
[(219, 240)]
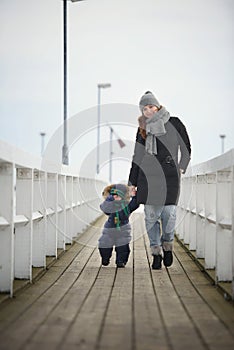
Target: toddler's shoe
[(167, 258), (157, 262), (120, 264), (105, 262)]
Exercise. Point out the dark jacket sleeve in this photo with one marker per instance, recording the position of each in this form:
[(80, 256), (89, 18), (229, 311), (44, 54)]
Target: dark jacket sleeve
[(132, 205), (185, 146), (136, 160)]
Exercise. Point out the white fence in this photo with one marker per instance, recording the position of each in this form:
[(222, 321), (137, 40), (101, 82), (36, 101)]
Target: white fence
[(206, 212), (42, 207)]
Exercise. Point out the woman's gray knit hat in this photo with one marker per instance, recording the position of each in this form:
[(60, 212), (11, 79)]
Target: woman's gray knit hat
[(148, 99)]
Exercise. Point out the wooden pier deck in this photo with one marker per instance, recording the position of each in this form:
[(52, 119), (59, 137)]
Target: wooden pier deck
[(78, 304)]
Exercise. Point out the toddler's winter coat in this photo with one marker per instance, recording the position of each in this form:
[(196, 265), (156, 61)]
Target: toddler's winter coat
[(117, 230)]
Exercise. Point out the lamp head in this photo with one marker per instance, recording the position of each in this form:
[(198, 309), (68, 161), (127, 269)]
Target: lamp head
[(104, 86)]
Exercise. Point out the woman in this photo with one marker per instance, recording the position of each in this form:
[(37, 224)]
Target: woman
[(155, 171)]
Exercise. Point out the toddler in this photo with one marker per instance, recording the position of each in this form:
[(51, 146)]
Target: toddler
[(117, 229)]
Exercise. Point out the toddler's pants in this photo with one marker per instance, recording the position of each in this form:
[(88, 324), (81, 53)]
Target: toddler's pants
[(122, 253)]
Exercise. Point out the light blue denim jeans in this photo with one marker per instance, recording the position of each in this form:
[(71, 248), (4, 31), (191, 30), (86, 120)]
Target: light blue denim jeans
[(160, 225)]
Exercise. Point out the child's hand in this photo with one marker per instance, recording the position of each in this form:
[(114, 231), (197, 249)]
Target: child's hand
[(116, 197), (133, 191)]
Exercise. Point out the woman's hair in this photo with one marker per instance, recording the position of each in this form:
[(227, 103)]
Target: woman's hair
[(142, 125)]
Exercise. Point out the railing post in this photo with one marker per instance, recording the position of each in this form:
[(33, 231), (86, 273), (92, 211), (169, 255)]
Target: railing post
[(75, 218), (61, 211), (200, 223), (224, 225), (6, 227), (210, 222), (52, 215), (69, 210), (83, 213), (187, 197), (23, 223), (192, 214), (39, 219), (232, 208), (180, 212)]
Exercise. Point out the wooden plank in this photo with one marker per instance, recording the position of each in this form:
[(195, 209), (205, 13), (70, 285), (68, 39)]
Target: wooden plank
[(84, 331), (78, 304), (27, 324), (225, 287), (181, 331), (57, 328), (117, 323), (210, 312), (150, 332), (118, 326), (17, 316)]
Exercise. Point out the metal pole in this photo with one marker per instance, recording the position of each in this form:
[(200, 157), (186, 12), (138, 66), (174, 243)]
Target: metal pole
[(65, 159), (222, 142), (111, 153), (42, 142), (98, 126)]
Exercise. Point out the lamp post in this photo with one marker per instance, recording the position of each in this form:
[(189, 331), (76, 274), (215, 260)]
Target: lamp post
[(222, 142), (100, 86), (65, 159), (42, 142)]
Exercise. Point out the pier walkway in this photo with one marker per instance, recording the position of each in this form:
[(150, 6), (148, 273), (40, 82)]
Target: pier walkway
[(78, 304)]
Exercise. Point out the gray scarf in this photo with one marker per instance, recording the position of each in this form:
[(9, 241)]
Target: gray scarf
[(155, 127)]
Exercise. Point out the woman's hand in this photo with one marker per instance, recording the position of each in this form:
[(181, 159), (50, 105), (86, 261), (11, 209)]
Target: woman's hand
[(133, 191)]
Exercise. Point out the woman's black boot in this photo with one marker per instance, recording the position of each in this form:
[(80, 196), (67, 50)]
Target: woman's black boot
[(157, 262), (167, 258)]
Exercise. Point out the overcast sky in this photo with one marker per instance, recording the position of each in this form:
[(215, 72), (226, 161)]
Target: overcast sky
[(181, 50)]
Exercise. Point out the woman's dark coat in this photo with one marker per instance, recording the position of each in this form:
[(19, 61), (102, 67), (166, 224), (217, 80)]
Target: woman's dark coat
[(157, 177)]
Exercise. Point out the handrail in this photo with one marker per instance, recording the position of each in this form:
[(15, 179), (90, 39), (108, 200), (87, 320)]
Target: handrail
[(43, 206), (205, 214)]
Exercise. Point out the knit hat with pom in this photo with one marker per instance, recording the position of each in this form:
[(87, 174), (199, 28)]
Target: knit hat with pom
[(120, 190), (148, 99)]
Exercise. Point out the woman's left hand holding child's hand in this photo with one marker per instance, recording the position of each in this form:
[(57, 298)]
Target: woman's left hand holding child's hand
[(133, 191)]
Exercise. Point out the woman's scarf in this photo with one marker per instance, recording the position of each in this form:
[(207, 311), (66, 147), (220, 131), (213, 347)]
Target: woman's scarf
[(155, 126)]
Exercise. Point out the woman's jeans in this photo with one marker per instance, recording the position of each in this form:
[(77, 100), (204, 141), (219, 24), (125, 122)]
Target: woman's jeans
[(160, 225)]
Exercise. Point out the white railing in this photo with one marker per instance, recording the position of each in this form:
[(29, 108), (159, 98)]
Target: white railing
[(206, 212), (43, 206)]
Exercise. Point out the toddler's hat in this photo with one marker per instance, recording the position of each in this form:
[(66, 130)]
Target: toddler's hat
[(119, 190)]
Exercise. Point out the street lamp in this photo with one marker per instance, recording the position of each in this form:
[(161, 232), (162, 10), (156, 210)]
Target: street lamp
[(222, 142), (100, 86), (42, 142), (65, 159)]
